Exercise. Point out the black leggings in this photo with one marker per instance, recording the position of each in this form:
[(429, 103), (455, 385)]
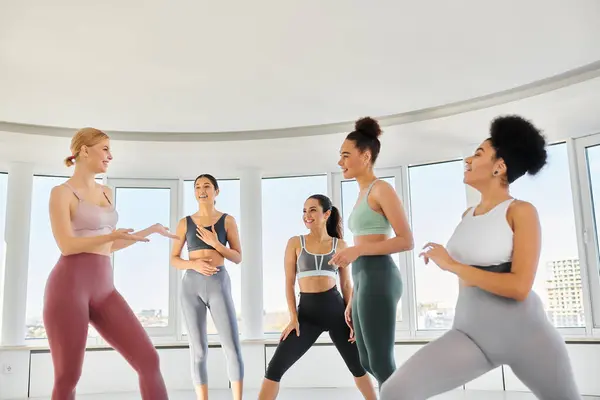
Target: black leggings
[(317, 312)]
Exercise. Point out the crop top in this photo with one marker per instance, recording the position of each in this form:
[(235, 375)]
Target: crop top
[(195, 243), (310, 264), (363, 220)]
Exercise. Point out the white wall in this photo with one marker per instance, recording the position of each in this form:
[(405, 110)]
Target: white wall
[(105, 371)]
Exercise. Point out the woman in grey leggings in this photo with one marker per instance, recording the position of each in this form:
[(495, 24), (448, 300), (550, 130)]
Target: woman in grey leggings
[(494, 251), (206, 284)]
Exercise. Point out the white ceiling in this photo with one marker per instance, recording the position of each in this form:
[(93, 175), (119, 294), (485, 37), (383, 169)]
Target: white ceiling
[(200, 66)]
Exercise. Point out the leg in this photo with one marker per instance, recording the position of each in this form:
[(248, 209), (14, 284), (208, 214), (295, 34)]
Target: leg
[(195, 312), (288, 352), (442, 365), (116, 322), (542, 363), (377, 302), (223, 313), (358, 333), (66, 319)]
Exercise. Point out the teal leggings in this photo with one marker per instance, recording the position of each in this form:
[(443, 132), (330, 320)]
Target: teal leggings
[(377, 291)]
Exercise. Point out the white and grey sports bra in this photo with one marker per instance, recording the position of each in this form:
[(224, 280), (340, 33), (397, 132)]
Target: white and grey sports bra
[(310, 264)]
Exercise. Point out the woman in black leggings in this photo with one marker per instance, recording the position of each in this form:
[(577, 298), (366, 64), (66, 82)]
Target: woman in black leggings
[(321, 306)]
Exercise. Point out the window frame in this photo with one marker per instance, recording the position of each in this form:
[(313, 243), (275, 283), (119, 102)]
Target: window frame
[(169, 332)]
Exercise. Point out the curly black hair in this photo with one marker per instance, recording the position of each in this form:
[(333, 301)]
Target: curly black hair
[(520, 144), (365, 136)]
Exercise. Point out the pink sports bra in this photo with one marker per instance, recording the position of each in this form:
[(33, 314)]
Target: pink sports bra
[(91, 219)]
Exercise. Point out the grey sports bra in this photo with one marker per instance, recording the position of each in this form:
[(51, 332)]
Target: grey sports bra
[(310, 264)]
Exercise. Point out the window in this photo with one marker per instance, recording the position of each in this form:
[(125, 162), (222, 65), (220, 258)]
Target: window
[(434, 220), (43, 254), (558, 279), (3, 190), (228, 201), (142, 271), (350, 192), (282, 203)]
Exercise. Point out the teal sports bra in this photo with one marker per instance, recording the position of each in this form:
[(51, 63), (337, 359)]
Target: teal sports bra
[(364, 220)]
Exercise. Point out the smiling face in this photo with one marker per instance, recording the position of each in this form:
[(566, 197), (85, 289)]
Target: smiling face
[(97, 157), (205, 191), (483, 167), (313, 215), (352, 161)]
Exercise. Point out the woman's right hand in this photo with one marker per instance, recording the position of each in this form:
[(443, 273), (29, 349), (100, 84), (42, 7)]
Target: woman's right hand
[(125, 234), (203, 266), (348, 318), (294, 325)]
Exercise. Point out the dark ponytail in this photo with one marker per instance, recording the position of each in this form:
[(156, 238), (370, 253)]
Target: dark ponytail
[(334, 222)]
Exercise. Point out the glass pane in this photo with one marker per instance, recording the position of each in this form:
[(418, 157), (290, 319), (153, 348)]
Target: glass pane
[(3, 189), (434, 220), (350, 191), (228, 202), (282, 203), (141, 271), (558, 279), (43, 254)]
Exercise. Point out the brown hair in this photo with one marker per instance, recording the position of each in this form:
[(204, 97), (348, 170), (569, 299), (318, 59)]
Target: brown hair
[(84, 137)]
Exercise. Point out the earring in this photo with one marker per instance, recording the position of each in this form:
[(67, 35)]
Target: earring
[(495, 173)]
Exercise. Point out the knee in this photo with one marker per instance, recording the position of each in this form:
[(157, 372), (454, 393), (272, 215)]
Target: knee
[(66, 379), (149, 363), (275, 371), (399, 387), (236, 369), (382, 369)]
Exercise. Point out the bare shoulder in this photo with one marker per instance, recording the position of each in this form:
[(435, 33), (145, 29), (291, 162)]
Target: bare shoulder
[(383, 188), (230, 220), (522, 212), (108, 191), (294, 242)]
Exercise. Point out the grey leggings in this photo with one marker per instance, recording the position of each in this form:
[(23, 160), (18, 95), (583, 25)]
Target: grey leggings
[(489, 331), (199, 294)]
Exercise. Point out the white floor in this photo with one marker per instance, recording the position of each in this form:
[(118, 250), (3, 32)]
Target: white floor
[(324, 394)]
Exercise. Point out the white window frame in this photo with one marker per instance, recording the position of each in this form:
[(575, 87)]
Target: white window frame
[(168, 333)]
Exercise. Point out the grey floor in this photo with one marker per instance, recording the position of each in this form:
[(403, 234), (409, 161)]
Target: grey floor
[(322, 394)]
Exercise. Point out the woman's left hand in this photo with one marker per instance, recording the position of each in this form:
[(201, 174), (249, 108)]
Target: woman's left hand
[(164, 231), (208, 237), (438, 254), (345, 257)]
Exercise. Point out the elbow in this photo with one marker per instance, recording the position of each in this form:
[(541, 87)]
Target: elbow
[(520, 293), (409, 243)]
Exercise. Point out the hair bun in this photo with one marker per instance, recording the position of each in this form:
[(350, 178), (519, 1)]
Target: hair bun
[(368, 126)]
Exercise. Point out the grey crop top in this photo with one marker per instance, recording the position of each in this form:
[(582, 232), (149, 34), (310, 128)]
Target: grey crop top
[(310, 264), (195, 243)]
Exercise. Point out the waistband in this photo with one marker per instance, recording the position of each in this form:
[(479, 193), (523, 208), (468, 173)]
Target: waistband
[(328, 292)]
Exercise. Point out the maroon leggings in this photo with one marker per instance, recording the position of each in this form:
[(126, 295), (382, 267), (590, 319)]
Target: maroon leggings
[(79, 292)]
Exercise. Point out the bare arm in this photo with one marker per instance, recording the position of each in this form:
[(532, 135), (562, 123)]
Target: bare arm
[(526, 252), (290, 276), (234, 252), (176, 259), (60, 221), (345, 282), (392, 208)]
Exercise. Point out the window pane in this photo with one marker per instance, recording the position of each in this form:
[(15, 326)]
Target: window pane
[(43, 254), (141, 271), (558, 279), (434, 220), (228, 201), (282, 203), (3, 189), (350, 191)]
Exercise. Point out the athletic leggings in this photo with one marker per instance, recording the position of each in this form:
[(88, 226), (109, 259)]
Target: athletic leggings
[(199, 294), (317, 313), (80, 291), (489, 331), (377, 291)]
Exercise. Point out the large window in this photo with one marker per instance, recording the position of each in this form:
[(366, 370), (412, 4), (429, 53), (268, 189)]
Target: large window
[(282, 203), (43, 254), (558, 279), (437, 202), (3, 189), (141, 271), (350, 192), (228, 202)]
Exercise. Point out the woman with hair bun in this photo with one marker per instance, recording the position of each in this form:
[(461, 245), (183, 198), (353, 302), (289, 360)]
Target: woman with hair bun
[(80, 289), (377, 280), (321, 307), (494, 251)]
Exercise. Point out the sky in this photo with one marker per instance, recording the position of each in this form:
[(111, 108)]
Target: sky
[(437, 197)]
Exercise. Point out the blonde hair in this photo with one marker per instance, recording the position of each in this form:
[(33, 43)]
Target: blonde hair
[(84, 137)]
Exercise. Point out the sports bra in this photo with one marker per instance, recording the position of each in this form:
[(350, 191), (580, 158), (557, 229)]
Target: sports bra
[(91, 219), (310, 264), (363, 220), (195, 243), (484, 241)]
